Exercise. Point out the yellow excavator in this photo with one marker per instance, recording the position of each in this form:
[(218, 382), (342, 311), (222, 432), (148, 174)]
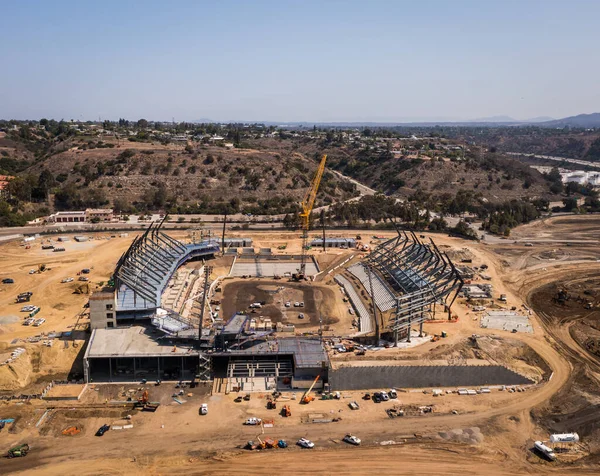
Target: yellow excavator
[(307, 206)]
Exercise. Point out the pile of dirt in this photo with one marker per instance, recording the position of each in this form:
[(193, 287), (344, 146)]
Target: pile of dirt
[(469, 436)]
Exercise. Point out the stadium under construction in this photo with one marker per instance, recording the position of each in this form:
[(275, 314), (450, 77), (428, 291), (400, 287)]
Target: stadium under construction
[(139, 333)]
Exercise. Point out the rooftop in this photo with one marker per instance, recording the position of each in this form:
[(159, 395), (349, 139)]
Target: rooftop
[(135, 341)]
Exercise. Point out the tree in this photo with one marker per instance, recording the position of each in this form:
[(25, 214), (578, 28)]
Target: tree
[(142, 123), (570, 204)]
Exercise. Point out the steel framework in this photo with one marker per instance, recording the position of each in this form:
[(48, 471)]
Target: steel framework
[(420, 275), (145, 268)]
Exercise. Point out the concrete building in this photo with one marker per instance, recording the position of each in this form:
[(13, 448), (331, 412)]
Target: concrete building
[(101, 214), (103, 310), (68, 217)]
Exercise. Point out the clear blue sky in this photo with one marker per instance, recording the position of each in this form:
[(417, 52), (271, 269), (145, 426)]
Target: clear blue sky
[(299, 60)]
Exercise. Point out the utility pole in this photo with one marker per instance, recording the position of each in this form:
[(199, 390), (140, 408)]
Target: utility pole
[(323, 223), (223, 237), (207, 271)]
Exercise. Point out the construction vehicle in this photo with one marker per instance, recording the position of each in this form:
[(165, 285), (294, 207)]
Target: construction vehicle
[(41, 268), (71, 431), (145, 403), (307, 206), (286, 411), (271, 404), (307, 397), (18, 451), (247, 397)]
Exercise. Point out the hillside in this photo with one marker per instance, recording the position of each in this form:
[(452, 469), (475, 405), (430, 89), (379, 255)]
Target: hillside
[(581, 120), (140, 176), (495, 177)]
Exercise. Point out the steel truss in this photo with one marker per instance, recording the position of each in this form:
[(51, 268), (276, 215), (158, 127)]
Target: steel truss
[(420, 275)]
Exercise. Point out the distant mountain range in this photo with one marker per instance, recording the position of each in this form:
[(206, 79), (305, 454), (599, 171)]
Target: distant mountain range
[(582, 120)]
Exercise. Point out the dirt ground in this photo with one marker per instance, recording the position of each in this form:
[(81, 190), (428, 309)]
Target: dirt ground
[(321, 301), (565, 399)]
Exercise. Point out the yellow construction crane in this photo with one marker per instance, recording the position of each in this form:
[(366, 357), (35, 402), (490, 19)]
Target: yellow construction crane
[(307, 206)]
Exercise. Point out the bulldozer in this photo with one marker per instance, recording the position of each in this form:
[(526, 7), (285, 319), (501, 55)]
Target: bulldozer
[(18, 451), (286, 411)]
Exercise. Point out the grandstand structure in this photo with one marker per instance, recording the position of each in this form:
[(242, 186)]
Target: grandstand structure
[(143, 271), (407, 277)]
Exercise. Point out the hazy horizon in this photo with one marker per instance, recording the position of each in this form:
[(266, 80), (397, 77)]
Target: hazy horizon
[(381, 61)]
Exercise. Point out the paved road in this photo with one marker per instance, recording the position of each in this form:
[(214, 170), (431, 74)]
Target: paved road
[(557, 159)]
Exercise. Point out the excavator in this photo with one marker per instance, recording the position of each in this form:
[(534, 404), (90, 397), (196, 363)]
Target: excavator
[(145, 403), (307, 397), (307, 206)]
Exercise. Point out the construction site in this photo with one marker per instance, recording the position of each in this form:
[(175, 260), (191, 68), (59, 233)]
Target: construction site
[(229, 343)]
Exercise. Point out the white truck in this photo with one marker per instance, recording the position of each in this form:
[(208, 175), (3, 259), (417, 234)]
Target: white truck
[(204, 409)]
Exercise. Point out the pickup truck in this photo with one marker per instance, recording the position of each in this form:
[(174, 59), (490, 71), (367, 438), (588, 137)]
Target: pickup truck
[(253, 421)]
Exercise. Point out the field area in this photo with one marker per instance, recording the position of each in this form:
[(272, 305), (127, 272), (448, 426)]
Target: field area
[(557, 279)]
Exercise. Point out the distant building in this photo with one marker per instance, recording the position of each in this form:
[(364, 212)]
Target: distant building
[(102, 214), (67, 217), (90, 214)]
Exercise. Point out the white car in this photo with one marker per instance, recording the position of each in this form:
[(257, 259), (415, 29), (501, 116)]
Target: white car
[(39, 322), (253, 421), (32, 271), (384, 396), (305, 443), (353, 440), (67, 280), (28, 322), (288, 304), (27, 308), (302, 304), (204, 409), (296, 304)]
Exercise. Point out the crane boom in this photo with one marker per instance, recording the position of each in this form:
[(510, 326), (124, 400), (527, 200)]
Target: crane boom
[(307, 206)]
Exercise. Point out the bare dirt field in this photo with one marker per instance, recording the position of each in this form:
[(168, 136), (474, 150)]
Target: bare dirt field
[(560, 355), (320, 302)]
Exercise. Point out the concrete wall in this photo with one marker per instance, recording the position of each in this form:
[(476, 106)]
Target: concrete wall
[(103, 311)]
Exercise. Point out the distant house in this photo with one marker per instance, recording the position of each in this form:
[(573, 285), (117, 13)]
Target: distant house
[(229, 145), (101, 214)]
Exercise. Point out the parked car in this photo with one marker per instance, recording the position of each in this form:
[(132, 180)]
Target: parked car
[(305, 443), (67, 280), (353, 440), (85, 270), (83, 278), (367, 396), (32, 271), (28, 321), (296, 304), (384, 396), (302, 304), (39, 322), (8, 281), (377, 397), (288, 304), (301, 316), (204, 409), (253, 421), (392, 393), (103, 429), (28, 308)]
